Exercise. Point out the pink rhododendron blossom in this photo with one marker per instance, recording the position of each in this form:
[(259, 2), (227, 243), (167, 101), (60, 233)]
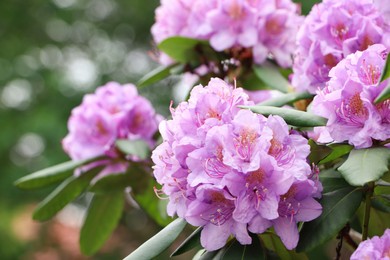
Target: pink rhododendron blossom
[(264, 26), (374, 248), (332, 30), (113, 112), (348, 99), (232, 171)]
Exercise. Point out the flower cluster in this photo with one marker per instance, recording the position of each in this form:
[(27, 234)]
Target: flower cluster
[(348, 99), (113, 112), (265, 26), (374, 248), (232, 171), (332, 30)]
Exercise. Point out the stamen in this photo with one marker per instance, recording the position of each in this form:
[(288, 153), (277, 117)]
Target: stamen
[(159, 193)]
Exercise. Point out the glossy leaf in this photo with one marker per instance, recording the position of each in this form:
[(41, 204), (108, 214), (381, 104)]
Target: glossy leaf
[(111, 182), (155, 207), (138, 148), (381, 203), (272, 242), (332, 183), (379, 221), (365, 165), (339, 207), (318, 152), (182, 49), (103, 216), (158, 243), (271, 76), (234, 250), (285, 99), (206, 255), (50, 175), (158, 74), (291, 116), (65, 193), (338, 150), (191, 242), (382, 188), (386, 177), (142, 186), (385, 94)]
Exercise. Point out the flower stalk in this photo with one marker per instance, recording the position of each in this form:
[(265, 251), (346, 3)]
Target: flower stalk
[(366, 220)]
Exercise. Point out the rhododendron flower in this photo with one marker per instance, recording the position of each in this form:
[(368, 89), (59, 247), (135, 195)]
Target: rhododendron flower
[(113, 112), (231, 170), (296, 205), (332, 30), (374, 248), (264, 26), (348, 99)]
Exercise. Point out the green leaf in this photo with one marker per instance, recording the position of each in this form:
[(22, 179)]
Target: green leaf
[(272, 242), (386, 177), (142, 185), (272, 77), (317, 152), (234, 250), (156, 208), (110, 183), (65, 193), (158, 74), (286, 99), (379, 221), (102, 218), (206, 255), (158, 243), (50, 175), (182, 49), (306, 5), (365, 165), (381, 203), (338, 150), (138, 147), (291, 116), (339, 207), (385, 94), (191, 242), (332, 180)]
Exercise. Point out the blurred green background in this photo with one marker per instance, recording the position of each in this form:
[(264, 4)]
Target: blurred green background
[(52, 52)]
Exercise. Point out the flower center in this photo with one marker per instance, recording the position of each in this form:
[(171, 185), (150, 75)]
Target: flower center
[(353, 111), (273, 26), (244, 143), (236, 11), (330, 60), (283, 154), (384, 110), (369, 73), (366, 42), (100, 128), (214, 166), (220, 211), (339, 31), (254, 183), (288, 207)]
